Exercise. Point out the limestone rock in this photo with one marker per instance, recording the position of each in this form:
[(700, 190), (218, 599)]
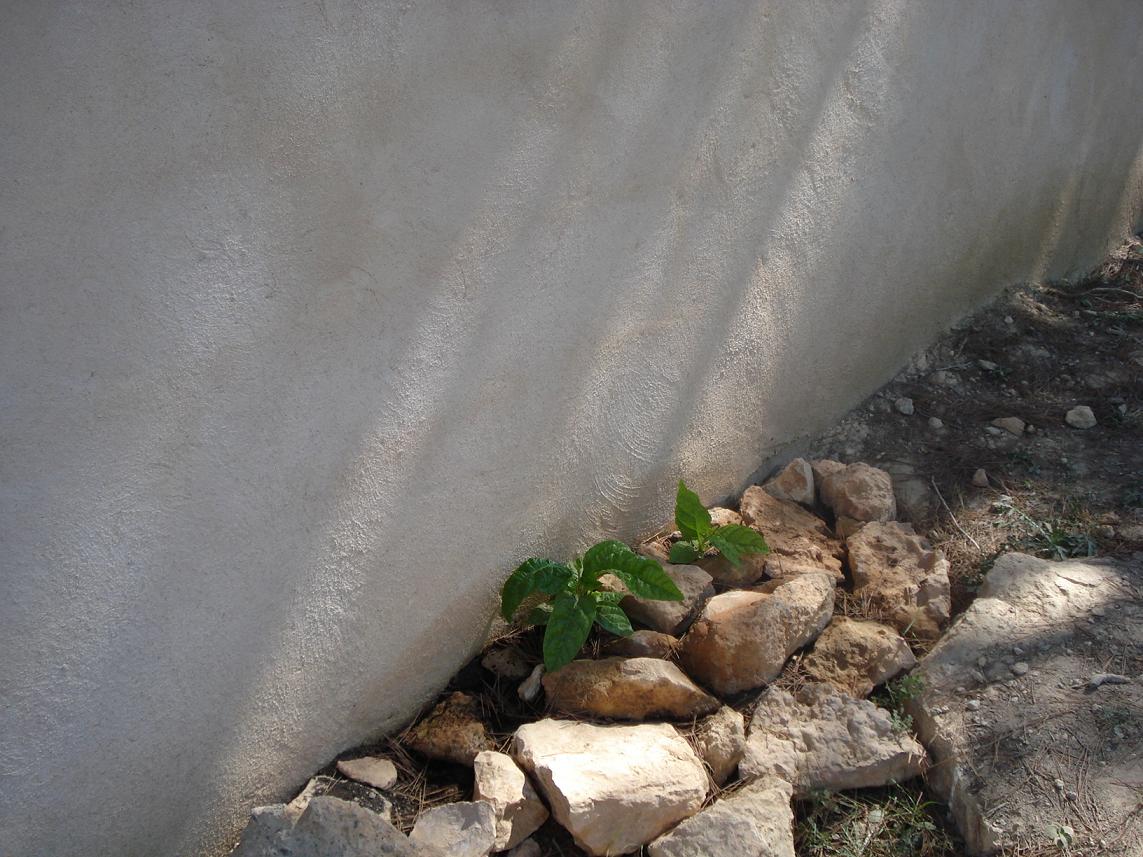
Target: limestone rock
[(644, 644), (860, 491), (1012, 425), (459, 829), (904, 581), (755, 821), (731, 600), (519, 810), (672, 617), (1030, 611), (823, 467), (1080, 417), (745, 647), (329, 827), (720, 740), (911, 491), (371, 770), (823, 739), (855, 656), (530, 687), (614, 788), (799, 541), (626, 689), (452, 732), (794, 483), (507, 662)]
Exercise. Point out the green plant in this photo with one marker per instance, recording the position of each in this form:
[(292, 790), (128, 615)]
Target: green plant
[(699, 534), (894, 696), (577, 598)]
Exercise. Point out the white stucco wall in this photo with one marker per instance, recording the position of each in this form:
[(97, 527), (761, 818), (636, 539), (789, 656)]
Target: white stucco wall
[(316, 317)]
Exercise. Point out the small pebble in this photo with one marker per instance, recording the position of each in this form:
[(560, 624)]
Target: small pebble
[(1008, 319), (1059, 785), (1020, 668), (936, 423), (980, 478), (982, 662), (1072, 796), (972, 704), (904, 405), (1080, 417)]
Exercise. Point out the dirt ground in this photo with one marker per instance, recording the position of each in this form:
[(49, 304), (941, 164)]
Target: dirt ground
[(1052, 490)]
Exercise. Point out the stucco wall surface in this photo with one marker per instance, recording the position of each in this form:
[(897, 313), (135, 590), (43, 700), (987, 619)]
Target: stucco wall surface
[(316, 317)]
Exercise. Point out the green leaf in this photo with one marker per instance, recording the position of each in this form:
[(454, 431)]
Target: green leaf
[(572, 617), (735, 541), (540, 614), (691, 516), (609, 615), (684, 552), (532, 575), (642, 576)]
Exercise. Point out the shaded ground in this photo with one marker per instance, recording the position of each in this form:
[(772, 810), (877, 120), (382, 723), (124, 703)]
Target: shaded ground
[(1054, 491)]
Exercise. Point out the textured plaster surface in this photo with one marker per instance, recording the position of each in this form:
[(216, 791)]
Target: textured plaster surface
[(317, 317)]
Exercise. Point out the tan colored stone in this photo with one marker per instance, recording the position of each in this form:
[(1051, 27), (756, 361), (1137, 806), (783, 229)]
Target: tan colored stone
[(672, 617), (856, 655), (746, 647), (519, 810), (1012, 425), (731, 600), (371, 770), (452, 732), (508, 662), (644, 644), (757, 820), (861, 492), (846, 527), (614, 788), (822, 739), (720, 740), (626, 689), (901, 578), (823, 467), (794, 483), (799, 542)]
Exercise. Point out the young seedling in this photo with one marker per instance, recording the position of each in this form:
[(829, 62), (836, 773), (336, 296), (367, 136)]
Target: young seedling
[(577, 599), (733, 541)]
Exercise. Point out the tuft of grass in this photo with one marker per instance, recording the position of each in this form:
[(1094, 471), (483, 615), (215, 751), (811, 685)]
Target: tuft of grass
[(893, 822), (1052, 537)]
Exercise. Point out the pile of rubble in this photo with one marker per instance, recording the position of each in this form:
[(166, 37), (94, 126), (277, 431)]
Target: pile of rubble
[(711, 747)]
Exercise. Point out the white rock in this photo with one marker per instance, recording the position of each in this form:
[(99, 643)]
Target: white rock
[(1080, 417), (755, 821), (530, 687), (720, 741), (824, 739), (371, 770), (614, 788), (459, 829), (904, 405), (519, 810)]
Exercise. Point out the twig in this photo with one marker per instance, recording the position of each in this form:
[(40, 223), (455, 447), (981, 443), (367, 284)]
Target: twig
[(956, 523)]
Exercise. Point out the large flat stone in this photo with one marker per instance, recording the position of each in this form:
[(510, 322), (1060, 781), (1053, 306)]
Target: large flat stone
[(614, 788), (1014, 701), (627, 689), (822, 739), (743, 647), (755, 821)]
